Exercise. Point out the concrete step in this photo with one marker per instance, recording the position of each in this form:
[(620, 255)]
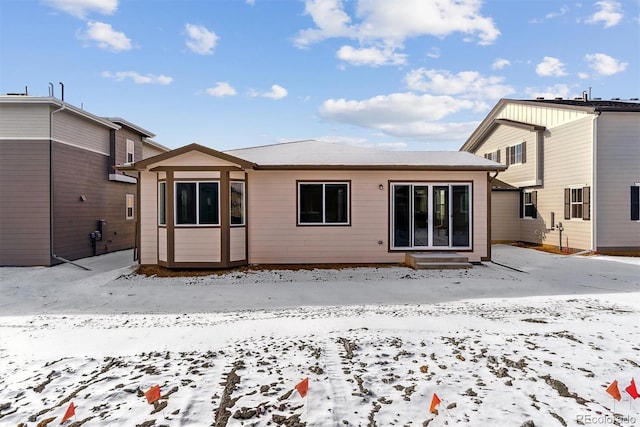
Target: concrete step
[(442, 265), (432, 260)]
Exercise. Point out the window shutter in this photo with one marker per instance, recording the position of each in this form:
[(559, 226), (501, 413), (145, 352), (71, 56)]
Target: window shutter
[(586, 203), (498, 155), (508, 157), (524, 152), (567, 203), (534, 202), (635, 203), (521, 204)]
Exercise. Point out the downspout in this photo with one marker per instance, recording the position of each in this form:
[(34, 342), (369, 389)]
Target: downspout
[(491, 178), (594, 174)]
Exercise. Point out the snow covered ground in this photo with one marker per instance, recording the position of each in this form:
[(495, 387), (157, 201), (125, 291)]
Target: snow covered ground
[(537, 342)]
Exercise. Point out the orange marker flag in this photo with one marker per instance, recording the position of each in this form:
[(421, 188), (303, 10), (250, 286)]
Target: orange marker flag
[(614, 391), (632, 390), (303, 387), (71, 412), (153, 394), (435, 401)]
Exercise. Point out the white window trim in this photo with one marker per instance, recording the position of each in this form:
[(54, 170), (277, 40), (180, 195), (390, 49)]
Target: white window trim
[(175, 204), (431, 184), (324, 210), (525, 204), (572, 203), (131, 149), (244, 204), (160, 184), (131, 197), (516, 160)]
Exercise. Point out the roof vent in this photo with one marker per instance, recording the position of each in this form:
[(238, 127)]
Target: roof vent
[(540, 97), (558, 98), (597, 99), (634, 99), (615, 99)]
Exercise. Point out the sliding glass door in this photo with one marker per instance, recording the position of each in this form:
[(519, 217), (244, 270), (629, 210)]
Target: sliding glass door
[(430, 216)]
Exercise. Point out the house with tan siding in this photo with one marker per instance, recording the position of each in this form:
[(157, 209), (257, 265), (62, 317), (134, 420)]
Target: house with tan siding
[(58, 183), (576, 166), (310, 202)]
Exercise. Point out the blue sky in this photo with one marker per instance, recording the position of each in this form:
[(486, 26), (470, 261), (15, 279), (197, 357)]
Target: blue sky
[(409, 75)]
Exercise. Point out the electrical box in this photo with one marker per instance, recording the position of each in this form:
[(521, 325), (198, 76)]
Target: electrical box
[(102, 228)]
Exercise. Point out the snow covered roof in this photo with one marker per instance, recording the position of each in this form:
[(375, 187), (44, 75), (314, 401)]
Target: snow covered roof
[(311, 154)]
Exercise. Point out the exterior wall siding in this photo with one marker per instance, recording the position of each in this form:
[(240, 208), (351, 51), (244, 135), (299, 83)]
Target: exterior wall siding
[(237, 242), (74, 130), (618, 168), (568, 160), (150, 151), (74, 219), (504, 210), (21, 121), (274, 236), (149, 232), (24, 210), (521, 174), (197, 245)]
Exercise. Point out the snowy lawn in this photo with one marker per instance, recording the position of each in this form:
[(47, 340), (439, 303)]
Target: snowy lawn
[(499, 346)]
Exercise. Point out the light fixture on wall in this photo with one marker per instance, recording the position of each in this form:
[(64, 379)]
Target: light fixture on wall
[(83, 198), (380, 187)]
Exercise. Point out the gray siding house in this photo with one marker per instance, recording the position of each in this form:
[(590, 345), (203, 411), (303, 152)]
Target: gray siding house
[(58, 185), (575, 166)]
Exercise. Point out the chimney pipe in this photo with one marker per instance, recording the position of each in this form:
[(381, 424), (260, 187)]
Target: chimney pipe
[(51, 94), (62, 86), (585, 96)]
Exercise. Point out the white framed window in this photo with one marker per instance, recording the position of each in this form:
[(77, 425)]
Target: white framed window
[(130, 203), (323, 203), (517, 154), (577, 203), (130, 156), (197, 203), (635, 202), (162, 203), (494, 155), (237, 203), (529, 202)]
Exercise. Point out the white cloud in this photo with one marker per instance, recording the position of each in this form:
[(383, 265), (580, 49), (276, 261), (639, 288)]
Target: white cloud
[(609, 13), (388, 24), (500, 63), (137, 78), (550, 67), (250, 2), (583, 76), (80, 8), (370, 56), (331, 21), (276, 92), (466, 84), (221, 89), (555, 91), (563, 11), (200, 40), (402, 115), (106, 37), (604, 64), (434, 53)]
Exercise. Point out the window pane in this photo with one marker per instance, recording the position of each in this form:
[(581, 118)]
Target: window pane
[(336, 203), (461, 215), (237, 203), (208, 196), (441, 216), (185, 203), (162, 210), (310, 203), (401, 216)]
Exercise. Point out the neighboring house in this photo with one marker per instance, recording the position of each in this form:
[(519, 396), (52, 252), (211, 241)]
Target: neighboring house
[(58, 184), (576, 167), (310, 202)]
